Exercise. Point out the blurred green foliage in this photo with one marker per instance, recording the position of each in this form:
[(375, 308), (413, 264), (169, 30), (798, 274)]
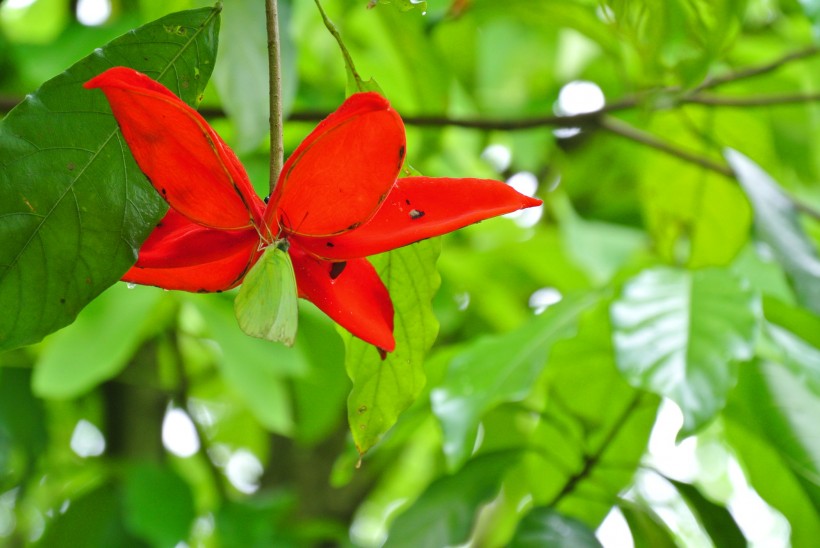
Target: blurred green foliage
[(674, 265)]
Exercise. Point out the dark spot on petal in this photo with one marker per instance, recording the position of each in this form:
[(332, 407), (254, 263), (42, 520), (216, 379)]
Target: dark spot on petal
[(336, 270), (354, 225), (382, 353), (416, 214), (164, 192), (201, 290), (159, 224), (329, 244), (267, 198), (401, 152), (407, 202)]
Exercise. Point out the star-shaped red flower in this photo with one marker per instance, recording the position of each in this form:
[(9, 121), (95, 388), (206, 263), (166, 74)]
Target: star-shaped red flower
[(337, 200)]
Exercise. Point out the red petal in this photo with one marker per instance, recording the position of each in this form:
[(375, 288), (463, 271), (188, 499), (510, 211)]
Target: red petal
[(336, 179), (178, 242), (180, 254), (185, 160), (353, 295), (418, 208)]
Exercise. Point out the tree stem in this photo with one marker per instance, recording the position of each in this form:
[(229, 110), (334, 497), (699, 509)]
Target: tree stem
[(277, 149)]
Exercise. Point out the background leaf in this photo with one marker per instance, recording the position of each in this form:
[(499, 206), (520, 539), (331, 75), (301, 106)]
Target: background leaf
[(74, 207)]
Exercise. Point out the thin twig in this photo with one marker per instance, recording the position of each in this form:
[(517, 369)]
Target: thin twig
[(751, 72), (619, 127), (277, 149), (752, 101)]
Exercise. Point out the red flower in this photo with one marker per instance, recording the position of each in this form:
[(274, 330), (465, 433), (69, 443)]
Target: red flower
[(337, 200)]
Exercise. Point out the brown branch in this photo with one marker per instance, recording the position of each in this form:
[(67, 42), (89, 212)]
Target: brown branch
[(277, 149), (621, 128), (751, 72)]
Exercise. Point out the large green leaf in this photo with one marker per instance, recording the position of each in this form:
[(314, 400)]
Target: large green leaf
[(772, 426), (496, 370), (680, 334), (777, 225), (382, 389), (74, 207)]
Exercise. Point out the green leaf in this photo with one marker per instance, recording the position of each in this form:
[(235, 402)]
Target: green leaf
[(159, 505), (648, 530), (715, 519), (680, 334), (256, 522), (772, 426), (266, 305), (74, 206), (241, 71), (543, 527), (445, 512), (778, 226), (382, 389), (496, 370), (98, 345)]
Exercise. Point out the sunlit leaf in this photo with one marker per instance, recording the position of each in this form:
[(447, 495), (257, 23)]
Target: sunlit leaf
[(382, 389), (772, 426), (778, 226), (74, 207), (680, 334)]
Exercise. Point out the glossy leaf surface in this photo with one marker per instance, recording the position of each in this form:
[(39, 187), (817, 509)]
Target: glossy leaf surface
[(680, 334)]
